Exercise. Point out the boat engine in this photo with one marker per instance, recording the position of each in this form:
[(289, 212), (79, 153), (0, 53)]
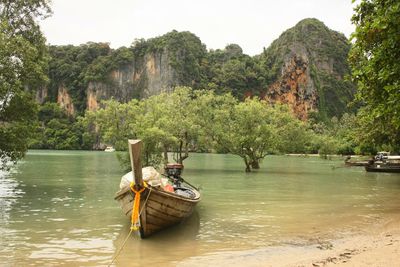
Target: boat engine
[(174, 171)]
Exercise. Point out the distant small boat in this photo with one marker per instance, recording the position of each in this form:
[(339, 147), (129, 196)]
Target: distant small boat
[(159, 207), (109, 149)]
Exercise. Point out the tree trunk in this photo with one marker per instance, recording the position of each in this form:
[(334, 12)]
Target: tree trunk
[(183, 147), (248, 169), (165, 154), (186, 147), (180, 152), (255, 164)]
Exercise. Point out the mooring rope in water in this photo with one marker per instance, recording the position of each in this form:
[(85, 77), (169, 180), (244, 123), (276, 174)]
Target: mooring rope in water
[(132, 226)]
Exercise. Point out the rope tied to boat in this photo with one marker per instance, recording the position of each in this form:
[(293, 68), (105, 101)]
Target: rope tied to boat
[(131, 230), (135, 209)]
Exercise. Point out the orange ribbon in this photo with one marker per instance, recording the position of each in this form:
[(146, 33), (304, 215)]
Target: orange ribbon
[(135, 208)]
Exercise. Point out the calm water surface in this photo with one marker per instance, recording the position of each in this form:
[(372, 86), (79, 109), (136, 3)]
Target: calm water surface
[(57, 208)]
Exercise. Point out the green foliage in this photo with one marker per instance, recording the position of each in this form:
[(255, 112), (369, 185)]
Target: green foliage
[(115, 123), (245, 131), (57, 130), (253, 129), (17, 121), (294, 136), (23, 61), (328, 145), (339, 136), (230, 70), (185, 53), (187, 120), (100, 68), (201, 120), (376, 69)]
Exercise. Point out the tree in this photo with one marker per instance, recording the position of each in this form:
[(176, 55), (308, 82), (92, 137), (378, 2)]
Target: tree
[(241, 129), (115, 123), (374, 59), (250, 129), (164, 122), (23, 62), (293, 134), (167, 121), (151, 128)]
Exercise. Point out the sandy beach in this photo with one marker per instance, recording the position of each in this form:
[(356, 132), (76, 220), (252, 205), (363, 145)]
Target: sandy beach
[(377, 245)]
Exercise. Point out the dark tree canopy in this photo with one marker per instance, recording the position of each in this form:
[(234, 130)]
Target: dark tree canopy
[(23, 63), (375, 63)]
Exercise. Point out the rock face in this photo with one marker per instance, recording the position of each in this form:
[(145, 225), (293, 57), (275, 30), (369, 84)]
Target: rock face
[(307, 65), (161, 77), (65, 100), (41, 95), (295, 87), (144, 77)]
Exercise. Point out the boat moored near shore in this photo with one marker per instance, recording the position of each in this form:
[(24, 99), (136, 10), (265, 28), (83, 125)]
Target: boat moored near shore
[(156, 202), (384, 162)]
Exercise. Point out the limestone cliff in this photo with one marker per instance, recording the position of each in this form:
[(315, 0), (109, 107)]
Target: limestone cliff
[(94, 72), (295, 87), (65, 100), (306, 67), (144, 77)]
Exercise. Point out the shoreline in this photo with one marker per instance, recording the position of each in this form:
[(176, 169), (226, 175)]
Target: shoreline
[(377, 245)]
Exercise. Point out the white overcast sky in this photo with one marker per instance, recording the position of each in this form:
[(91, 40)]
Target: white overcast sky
[(252, 24)]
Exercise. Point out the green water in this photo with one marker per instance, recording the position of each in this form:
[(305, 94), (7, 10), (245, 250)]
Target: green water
[(57, 208)]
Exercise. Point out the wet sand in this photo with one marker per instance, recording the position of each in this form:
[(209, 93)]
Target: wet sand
[(377, 245)]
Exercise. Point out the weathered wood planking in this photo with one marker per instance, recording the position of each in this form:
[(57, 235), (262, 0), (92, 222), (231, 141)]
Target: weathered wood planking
[(161, 209)]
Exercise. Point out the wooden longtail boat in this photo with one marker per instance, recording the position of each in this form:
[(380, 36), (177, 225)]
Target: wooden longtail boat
[(158, 209), (384, 162)]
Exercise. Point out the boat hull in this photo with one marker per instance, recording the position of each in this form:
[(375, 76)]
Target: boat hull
[(382, 168), (159, 209), (357, 163)]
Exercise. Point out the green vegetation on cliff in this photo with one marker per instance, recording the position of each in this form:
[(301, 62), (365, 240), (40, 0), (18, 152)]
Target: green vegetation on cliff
[(325, 53), (73, 67), (231, 71)]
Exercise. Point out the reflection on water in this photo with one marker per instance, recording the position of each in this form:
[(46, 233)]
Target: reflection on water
[(9, 194), (165, 248), (57, 208)]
